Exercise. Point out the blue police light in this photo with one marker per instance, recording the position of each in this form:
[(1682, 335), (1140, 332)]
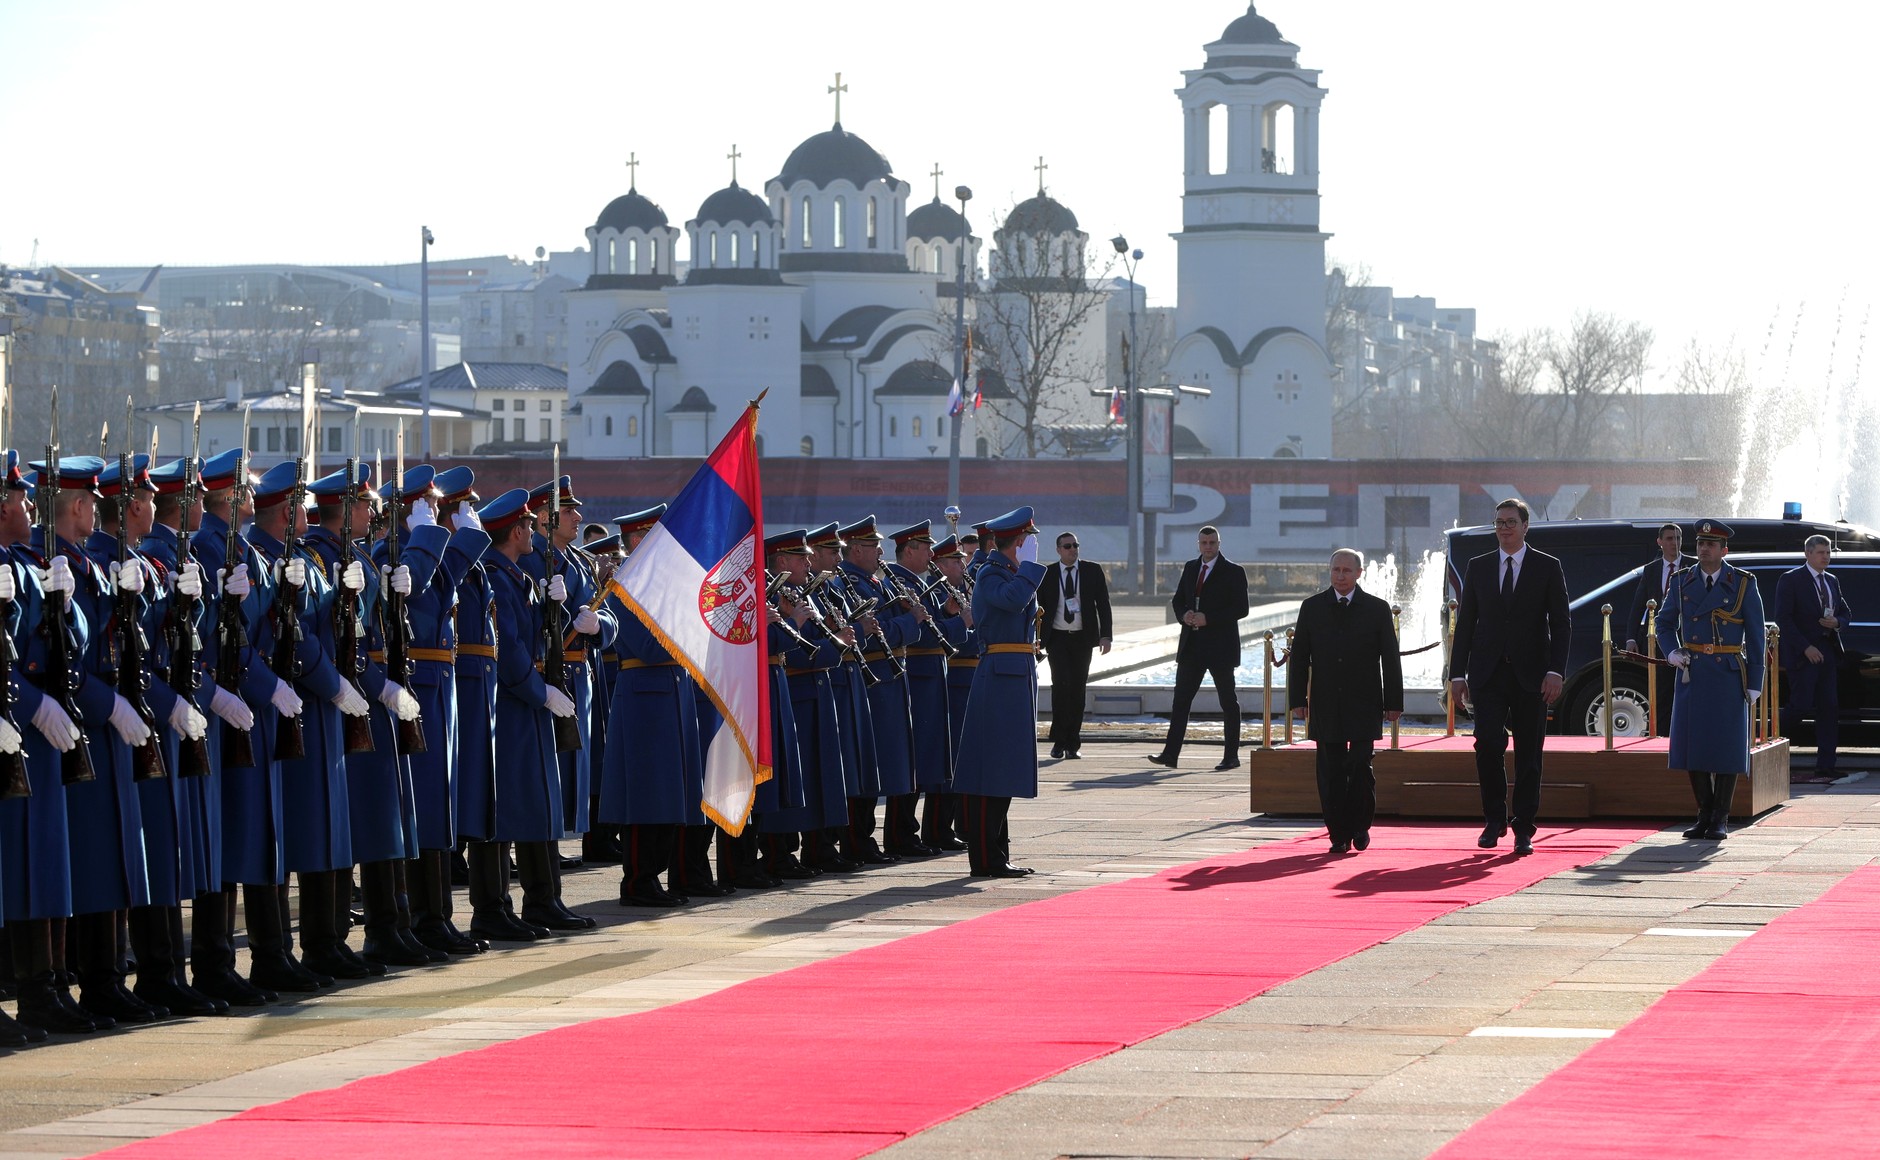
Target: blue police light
[(1792, 510)]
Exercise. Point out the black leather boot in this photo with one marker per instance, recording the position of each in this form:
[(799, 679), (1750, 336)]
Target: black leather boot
[(646, 853), (1705, 793), (1717, 821), (30, 947), (100, 974), (541, 904), (379, 884), (489, 896)]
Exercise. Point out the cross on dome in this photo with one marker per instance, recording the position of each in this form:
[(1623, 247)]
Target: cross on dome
[(633, 172), (734, 155), (838, 89), (1041, 167), (936, 175)]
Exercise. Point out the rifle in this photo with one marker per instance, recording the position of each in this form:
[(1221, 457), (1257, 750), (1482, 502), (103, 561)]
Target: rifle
[(238, 748), (133, 650), (348, 629), (14, 782), (62, 673), (290, 742), (397, 623), (185, 641), (554, 659)]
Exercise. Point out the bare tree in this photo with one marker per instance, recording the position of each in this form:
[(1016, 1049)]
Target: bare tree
[(1589, 367), (1040, 327), (1549, 395)]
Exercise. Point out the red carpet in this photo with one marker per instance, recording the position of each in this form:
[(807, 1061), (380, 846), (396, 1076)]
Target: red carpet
[(846, 1056), (1770, 1052)]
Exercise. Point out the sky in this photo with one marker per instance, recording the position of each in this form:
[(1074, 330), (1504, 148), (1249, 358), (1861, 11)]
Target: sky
[(1701, 168)]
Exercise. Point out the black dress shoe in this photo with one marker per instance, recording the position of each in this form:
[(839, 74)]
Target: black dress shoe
[(1490, 836), (1073, 755), (40, 1008), (789, 869), (502, 928), (275, 975), (651, 896), (115, 1001), (413, 942), (1162, 759), (569, 863), (876, 857), (342, 967), (1227, 763), (180, 999), (948, 845), (912, 850), (710, 889), (374, 970), (14, 1034), (1057, 751), (1714, 833), (1523, 847), (1007, 871), (436, 938), (1361, 840), (551, 919), (232, 989), (1341, 847)]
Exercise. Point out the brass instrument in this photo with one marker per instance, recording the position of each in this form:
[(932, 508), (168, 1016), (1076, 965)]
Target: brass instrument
[(844, 615), (777, 589), (898, 588)]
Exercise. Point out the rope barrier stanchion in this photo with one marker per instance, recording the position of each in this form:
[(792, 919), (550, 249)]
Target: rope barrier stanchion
[(1605, 637), (1772, 676), (1396, 626), (1266, 695), (1289, 716), (1651, 678), (1449, 664)]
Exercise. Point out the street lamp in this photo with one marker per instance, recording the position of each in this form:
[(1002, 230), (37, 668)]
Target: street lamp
[(964, 194), (424, 334), (1132, 440)]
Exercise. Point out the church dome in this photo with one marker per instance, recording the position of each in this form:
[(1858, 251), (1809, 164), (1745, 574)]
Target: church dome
[(1041, 215), (837, 155), (1252, 28), (937, 219), (735, 205), (629, 211)]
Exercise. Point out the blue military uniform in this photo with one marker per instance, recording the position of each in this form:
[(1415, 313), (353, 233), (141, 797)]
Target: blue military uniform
[(1717, 624), (474, 625), (998, 758), (927, 655), (940, 827)]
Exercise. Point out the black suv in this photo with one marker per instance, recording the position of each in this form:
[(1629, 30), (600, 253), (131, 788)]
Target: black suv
[(1603, 560)]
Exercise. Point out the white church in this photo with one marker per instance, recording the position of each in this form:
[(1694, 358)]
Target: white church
[(830, 294)]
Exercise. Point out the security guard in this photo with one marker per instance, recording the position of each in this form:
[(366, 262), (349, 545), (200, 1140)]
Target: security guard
[(998, 757), (1712, 627)]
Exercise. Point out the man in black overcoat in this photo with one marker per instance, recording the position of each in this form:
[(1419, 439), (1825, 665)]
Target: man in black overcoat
[(1346, 673), (1210, 602), (1510, 651)]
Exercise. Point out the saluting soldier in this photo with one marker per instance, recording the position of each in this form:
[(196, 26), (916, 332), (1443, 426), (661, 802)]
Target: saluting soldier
[(528, 772), (856, 846), (654, 781), (926, 684), (316, 838), (998, 758), (35, 860), (1712, 627), (438, 559), (940, 820), (176, 803)]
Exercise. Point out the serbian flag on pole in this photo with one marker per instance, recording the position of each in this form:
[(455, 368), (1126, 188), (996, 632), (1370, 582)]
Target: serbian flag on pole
[(956, 402), (1116, 404), (697, 582)]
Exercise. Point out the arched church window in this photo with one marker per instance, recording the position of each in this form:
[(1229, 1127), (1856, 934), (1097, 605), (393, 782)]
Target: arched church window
[(652, 255), (757, 248), (609, 424), (914, 426), (1276, 139), (936, 259), (840, 235), (807, 446), (734, 249), (891, 427), (712, 251), (1217, 138), (874, 224), (633, 426), (786, 221), (809, 237), (981, 448), (610, 255), (633, 255)]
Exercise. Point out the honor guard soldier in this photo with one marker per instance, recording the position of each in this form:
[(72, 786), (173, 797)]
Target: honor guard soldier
[(654, 779), (812, 706), (316, 840), (528, 770), (600, 843), (777, 805), (1712, 627), (998, 758), (850, 680), (179, 803), (252, 704), (439, 558), (587, 631), (899, 623), (940, 821), (35, 860), (908, 577)]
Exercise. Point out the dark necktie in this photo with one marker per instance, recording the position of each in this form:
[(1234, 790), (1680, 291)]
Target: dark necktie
[(1710, 581), (1070, 582), (1507, 578), (1204, 576), (1821, 589)]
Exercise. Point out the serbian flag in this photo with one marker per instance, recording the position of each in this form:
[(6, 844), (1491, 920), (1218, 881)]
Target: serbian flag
[(697, 582), (1116, 404), (956, 402)]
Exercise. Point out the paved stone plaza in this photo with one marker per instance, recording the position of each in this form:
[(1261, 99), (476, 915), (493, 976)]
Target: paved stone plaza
[(1388, 1053)]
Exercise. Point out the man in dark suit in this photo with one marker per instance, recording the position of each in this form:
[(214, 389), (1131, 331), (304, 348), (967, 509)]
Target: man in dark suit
[(1510, 652), (1075, 601), (1811, 611), (1652, 584), (1210, 602), (1346, 672)]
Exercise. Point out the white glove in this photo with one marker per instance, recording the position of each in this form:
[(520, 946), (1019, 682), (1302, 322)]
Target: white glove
[(190, 724), (189, 580), (128, 724), (129, 579), (1755, 695), (466, 517), (559, 703), (398, 579), (294, 573), (421, 514), (399, 700), (56, 725), (7, 587), (587, 621), (235, 581), (349, 700), (353, 577), (232, 709), (10, 739), (286, 702), (558, 588), (1028, 550), (1678, 657), (58, 578)]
